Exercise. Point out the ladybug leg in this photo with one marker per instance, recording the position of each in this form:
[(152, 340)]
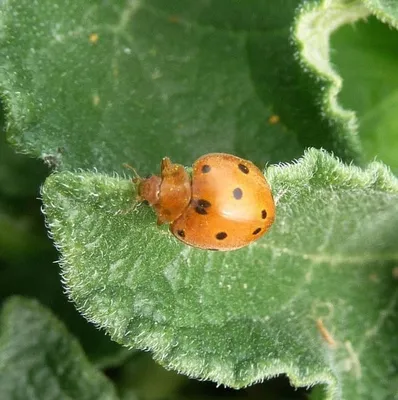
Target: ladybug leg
[(163, 215)]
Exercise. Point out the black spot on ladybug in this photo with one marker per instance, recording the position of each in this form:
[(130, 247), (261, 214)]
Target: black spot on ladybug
[(257, 231), (206, 168), (221, 235), (201, 205), (238, 193), (243, 168), (263, 214), (181, 233), (201, 211)]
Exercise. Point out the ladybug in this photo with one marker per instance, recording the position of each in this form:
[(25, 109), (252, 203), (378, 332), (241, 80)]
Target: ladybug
[(225, 204)]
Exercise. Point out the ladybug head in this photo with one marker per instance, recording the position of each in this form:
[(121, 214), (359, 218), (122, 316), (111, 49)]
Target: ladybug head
[(149, 188)]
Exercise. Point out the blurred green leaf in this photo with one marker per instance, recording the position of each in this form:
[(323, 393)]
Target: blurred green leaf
[(240, 317), (20, 180), (41, 279), (371, 88), (27, 255), (96, 84), (39, 359), (141, 378), (19, 175)]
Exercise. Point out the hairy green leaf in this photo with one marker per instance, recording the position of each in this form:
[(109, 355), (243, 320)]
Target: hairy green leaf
[(39, 359), (366, 57), (385, 10), (314, 298), (96, 84)]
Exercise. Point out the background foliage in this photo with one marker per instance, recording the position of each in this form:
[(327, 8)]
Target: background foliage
[(92, 86)]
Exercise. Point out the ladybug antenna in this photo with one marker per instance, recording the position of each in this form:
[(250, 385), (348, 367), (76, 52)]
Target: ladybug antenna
[(135, 173)]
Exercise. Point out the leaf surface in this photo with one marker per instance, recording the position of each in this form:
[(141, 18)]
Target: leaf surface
[(314, 299), (103, 83)]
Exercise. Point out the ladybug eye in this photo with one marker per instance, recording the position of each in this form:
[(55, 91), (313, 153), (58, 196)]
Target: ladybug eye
[(243, 168), (181, 233)]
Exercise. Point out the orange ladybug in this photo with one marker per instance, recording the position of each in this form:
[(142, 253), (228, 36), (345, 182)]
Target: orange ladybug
[(225, 204)]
